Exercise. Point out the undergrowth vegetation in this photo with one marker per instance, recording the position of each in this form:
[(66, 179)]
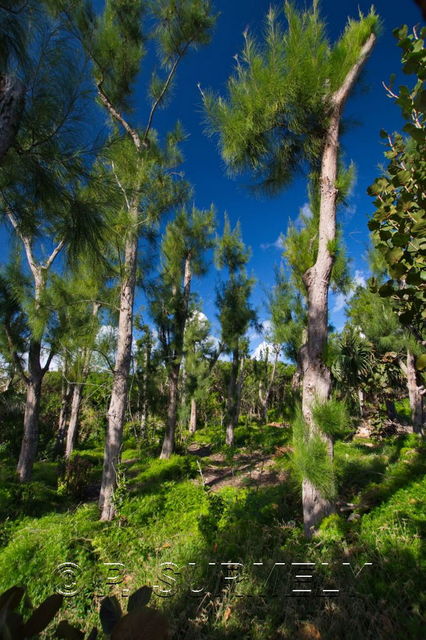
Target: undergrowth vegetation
[(176, 535)]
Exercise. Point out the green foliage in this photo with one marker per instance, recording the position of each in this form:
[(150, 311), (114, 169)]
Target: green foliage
[(332, 417), (209, 522), (275, 116), (398, 224), (353, 362), (310, 458), (232, 298), (76, 476)]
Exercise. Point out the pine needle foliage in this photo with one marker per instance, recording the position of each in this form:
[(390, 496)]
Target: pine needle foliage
[(310, 460), (274, 117), (331, 417), (232, 297)]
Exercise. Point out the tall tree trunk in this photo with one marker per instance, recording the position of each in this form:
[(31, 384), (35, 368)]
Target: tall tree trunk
[(231, 413), (415, 394), (78, 393), (118, 400), (316, 375), (63, 415), (265, 397), (169, 437), (361, 402), (144, 402), (31, 415), (193, 416), (72, 425), (12, 97)]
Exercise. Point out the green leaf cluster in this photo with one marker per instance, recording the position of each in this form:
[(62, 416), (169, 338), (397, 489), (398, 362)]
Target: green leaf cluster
[(398, 224)]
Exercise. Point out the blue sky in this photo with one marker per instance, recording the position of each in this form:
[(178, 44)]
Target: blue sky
[(263, 220)]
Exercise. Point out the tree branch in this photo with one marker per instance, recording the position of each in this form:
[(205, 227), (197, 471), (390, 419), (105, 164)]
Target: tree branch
[(26, 242), (14, 354), (164, 90), (340, 96), (53, 255), (48, 361), (117, 116)]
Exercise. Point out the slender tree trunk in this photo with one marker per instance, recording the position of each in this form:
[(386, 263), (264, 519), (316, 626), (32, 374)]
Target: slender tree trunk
[(78, 394), (240, 382), (72, 425), (415, 394), (118, 400), (265, 398), (12, 97), (63, 416), (316, 375), (361, 402), (31, 415), (193, 417), (169, 437), (231, 413), (144, 403)]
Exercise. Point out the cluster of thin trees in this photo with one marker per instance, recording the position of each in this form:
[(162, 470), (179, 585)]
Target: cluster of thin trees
[(84, 184)]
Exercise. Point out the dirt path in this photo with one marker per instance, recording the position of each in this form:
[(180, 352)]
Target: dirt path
[(246, 470)]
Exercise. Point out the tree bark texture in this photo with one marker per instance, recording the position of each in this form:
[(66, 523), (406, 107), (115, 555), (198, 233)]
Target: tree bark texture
[(63, 416), (193, 416), (316, 375), (169, 437), (232, 404), (32, 408), (415, 394), (117, 406), (12, 98)]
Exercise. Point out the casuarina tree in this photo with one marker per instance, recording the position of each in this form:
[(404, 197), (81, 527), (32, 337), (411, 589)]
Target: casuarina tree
[(282, 114), (115, 41), (185, 242), (235, 313)]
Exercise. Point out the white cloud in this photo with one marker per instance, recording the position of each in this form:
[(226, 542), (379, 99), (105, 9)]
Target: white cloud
[(107, 331), (278, 244), (266, 326), (359, 279), (339, 302), (260, 352), (200, 316)]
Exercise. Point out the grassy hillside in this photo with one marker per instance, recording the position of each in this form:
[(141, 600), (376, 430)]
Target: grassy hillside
[(250, 514)]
